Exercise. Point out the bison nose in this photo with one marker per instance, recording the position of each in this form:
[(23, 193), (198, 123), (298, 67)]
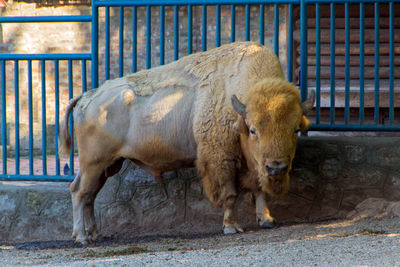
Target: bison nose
[(277, 170)]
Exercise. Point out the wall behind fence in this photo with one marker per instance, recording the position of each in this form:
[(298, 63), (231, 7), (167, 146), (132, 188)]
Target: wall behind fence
[(183, 33), (36, 38)]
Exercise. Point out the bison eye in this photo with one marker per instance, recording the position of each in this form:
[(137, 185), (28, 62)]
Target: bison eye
[(253, 131), (297, 130)]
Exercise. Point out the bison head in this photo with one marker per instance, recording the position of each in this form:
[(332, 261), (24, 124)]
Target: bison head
[(269, 123)]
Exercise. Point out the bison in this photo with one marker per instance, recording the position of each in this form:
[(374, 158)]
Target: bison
[(227, 111)]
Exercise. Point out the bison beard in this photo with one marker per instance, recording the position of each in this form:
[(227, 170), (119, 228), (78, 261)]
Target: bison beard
[(276, 186), (180, 114)]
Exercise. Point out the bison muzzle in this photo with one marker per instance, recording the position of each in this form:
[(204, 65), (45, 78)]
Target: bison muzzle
[(227, 111)]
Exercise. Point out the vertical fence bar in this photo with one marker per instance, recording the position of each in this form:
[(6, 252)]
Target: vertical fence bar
[(276, 30), (233, 23), (176, 32), (204, 28), (162, 35), (262, 24), (362, 51), (290, 44), (247, 15), (347, 64), (332, 65), (71, 118), (303, 50), (30, 110), (148, 37), (44, 123), (16, 96), (57, 111), (190, 29), (4, 115), (107, 43), (391, 62), (376, 69), (134, 39), (121, 42), (218, 26), (95, 45), (84, 77), (318, 62)]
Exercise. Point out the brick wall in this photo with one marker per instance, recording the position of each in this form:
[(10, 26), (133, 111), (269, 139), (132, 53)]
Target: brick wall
[(35, 38), (76, 38)]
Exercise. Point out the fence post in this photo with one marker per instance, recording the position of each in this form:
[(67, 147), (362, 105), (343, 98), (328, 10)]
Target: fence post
[(303, 50), (95, 45)]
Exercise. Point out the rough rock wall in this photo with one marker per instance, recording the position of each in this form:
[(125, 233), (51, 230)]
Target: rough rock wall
[(331, 176)]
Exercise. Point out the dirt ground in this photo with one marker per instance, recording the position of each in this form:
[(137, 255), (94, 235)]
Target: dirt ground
[(368, 242)]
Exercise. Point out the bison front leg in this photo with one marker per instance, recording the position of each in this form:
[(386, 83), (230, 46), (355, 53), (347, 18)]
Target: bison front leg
[(230, 225), (219, 185), (84, 189), (264, 219)]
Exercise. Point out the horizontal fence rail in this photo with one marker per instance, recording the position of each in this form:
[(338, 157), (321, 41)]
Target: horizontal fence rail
[(347, 51), (43, 19)]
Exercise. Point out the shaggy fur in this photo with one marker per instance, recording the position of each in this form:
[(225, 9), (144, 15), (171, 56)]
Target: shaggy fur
[(181, 114)]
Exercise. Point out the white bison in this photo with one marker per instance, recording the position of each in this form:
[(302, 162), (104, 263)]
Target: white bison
[(227, 111)]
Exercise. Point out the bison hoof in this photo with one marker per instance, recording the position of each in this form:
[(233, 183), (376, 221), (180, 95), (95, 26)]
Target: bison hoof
[(82, 241), (268, 225), (232, 229), (95, 235)]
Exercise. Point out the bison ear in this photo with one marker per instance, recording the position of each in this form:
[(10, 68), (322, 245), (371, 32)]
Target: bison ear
[(304, 124), (238, 106), (307, 105), (240, 126)]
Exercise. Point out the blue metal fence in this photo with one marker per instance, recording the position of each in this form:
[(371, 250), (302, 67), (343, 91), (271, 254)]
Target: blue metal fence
[(134, 5), (42, 58)]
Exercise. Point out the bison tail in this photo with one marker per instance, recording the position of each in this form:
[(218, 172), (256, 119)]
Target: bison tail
[(65, 137)]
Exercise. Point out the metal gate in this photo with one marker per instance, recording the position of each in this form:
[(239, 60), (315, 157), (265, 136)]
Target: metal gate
[(207, 34)]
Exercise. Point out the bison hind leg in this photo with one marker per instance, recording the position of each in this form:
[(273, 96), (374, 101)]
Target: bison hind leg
[(84, 189)]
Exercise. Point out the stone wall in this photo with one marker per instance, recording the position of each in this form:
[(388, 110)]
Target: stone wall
[(331, 176), (35, 38)]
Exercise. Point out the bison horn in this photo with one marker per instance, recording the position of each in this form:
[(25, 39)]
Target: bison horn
[(238, 106), (307, 105)]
